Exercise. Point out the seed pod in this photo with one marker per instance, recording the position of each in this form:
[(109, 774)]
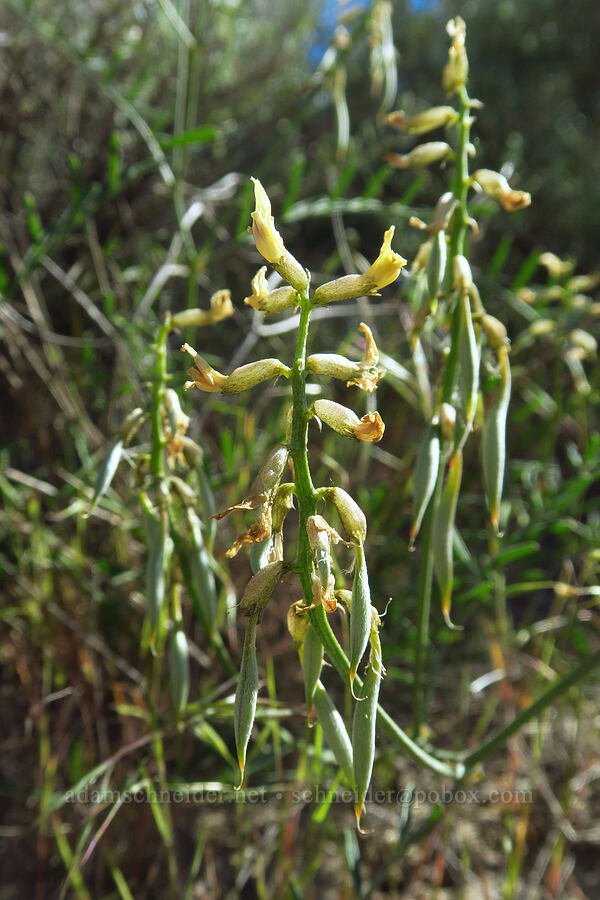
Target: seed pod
[(106, 473), (334, 730), (260, 554), (312, 663), (261, 586), (246, 696), (179, 671), (468, 355), (156, 535), (436, 264), (352, 517), (360, 612), (494, 440), (425, 478), (270, 472), (201, 570), (443, 526), (248, 376), (363, 726)]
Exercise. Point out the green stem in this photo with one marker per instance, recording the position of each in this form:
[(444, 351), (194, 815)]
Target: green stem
[(458, 233), (160, 379), (305, 492), (307, 497)]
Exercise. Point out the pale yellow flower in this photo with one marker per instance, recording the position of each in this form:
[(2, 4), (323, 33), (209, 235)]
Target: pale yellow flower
[(202, 373)]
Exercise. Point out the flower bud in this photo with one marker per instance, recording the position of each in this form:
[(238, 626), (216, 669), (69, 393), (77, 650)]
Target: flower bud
[(346, 422), (382, 272), (248, 376), (583, 341), (269, 302), (422, 155), (202, 374), (351, 515), (261, 586), (221, 308), (557, 267), (456, 69), (494, 330), (422, 122), (269, 242), (496, 186), (447, 420)]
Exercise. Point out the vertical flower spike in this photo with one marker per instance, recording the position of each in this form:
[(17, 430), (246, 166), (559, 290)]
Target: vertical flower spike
[(456, 70), (269, 242)]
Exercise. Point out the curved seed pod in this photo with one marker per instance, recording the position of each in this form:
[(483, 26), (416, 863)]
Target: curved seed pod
[(363, 725), (334, 730), (261, 586), (106, 473), (246, 696), (494, 440), (312, 663), (443, 525), (468, 354), (200, 569), (360, 612), (436, 264), (425, 478), (269, 474), (156, 534), (179, 671)]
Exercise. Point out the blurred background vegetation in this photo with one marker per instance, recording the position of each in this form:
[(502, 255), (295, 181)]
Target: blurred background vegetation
[(129, 132)]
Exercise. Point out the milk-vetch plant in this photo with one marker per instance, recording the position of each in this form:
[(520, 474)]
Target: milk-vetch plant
[(273, 498), (443, 294)]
